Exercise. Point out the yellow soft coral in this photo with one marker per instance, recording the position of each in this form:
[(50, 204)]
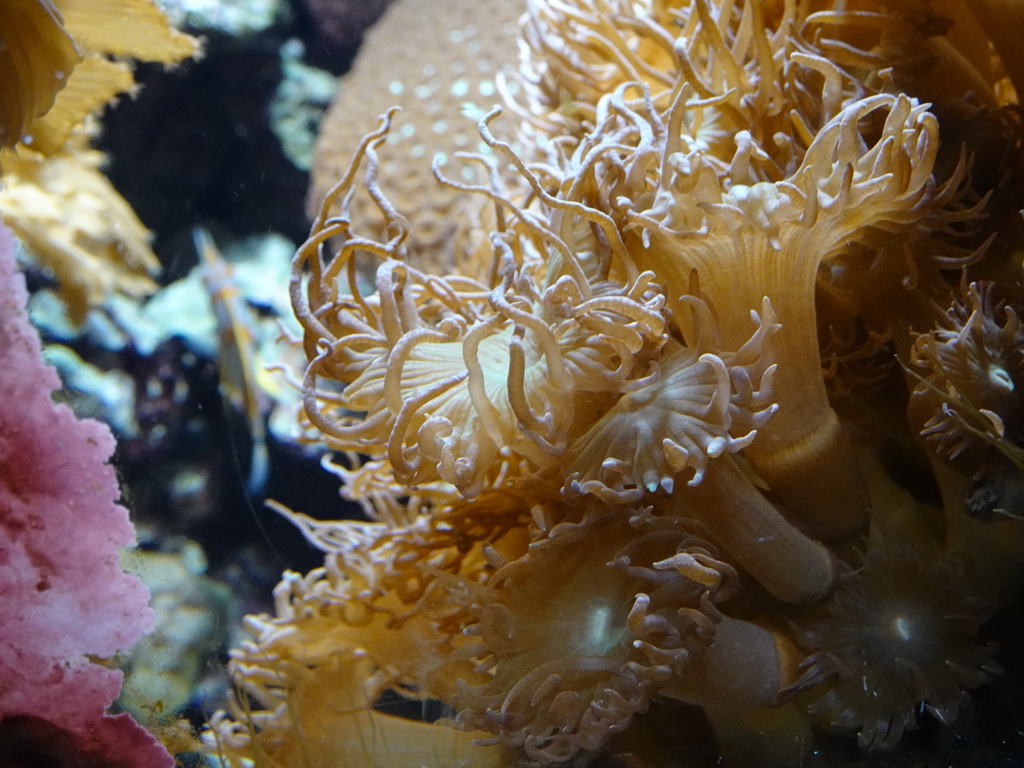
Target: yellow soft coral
[(55, 61), (36, 56)]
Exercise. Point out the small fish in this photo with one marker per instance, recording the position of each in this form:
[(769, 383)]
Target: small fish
[(237, 357)]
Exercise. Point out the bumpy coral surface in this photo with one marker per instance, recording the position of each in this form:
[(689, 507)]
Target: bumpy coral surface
[(638, 430), (461, 47)]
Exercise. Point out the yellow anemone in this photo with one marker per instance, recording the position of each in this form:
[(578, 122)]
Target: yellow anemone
[(567, 673), (454, 379)]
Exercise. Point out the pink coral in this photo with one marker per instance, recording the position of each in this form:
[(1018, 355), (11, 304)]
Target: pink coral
[(63, 596)]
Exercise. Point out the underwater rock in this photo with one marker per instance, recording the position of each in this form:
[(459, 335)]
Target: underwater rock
[(341, 23)]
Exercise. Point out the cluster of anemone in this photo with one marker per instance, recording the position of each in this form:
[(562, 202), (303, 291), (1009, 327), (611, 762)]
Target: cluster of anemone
[(607, 451)]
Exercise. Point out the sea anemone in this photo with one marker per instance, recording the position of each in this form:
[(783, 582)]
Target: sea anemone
[(749, 241), (601, 409), (969, 372), (678, 418), (371, 622), (461, 377), (321, 714), (566, 672), (680, 415), (809, 164), (897, 636)]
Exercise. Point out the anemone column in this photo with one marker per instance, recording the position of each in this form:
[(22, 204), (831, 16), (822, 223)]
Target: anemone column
[(769, 239)]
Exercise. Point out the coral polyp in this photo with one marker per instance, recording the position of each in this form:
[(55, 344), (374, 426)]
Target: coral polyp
[(899, 638), (566, 672)]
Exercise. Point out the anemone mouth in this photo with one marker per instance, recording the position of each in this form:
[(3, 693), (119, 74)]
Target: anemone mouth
[(579, 634), (898, 638), (678, 420), (696, 403)]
